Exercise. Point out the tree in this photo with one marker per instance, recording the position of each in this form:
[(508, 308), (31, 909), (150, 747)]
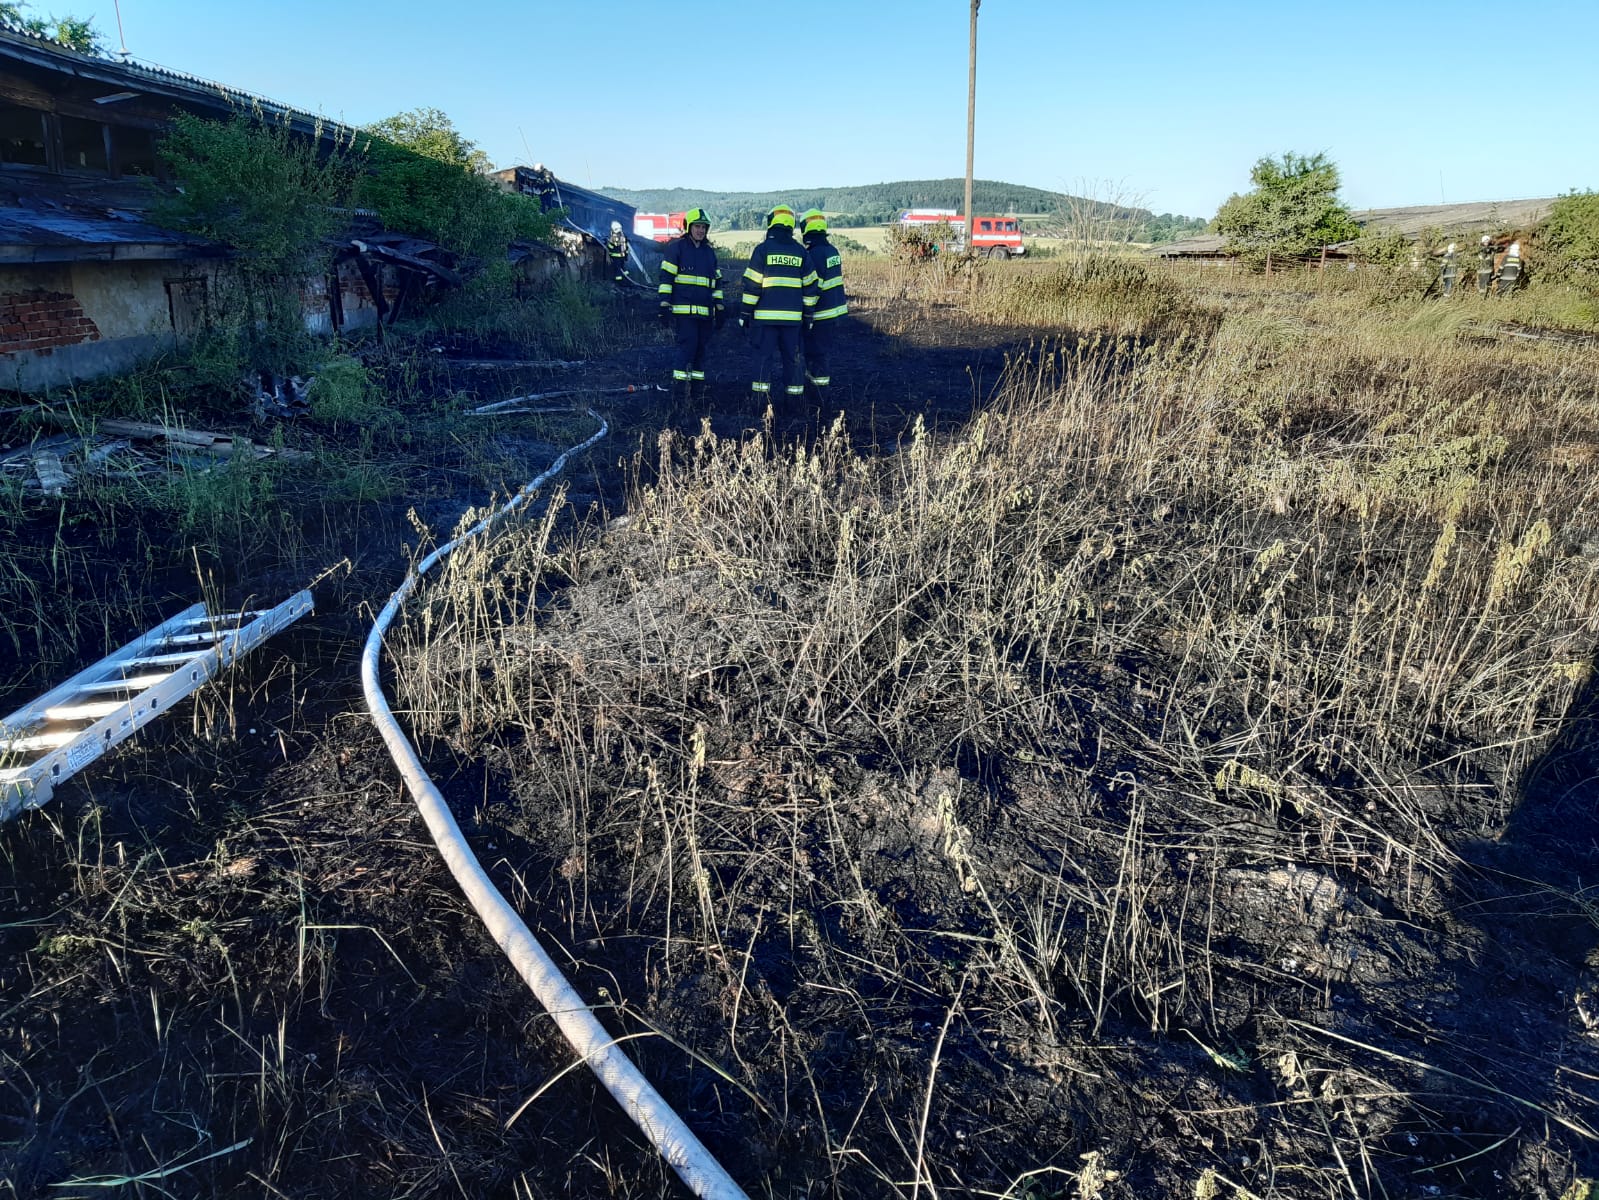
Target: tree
[(430, 133), (1293, 211), (75, 33)]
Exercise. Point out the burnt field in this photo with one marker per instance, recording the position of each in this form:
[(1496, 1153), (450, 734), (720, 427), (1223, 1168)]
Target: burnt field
[(1137, 742)]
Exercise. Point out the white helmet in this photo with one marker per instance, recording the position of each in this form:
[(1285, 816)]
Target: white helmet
[(1451, 249), (1515, 249), (1485, 239), (616, 227)]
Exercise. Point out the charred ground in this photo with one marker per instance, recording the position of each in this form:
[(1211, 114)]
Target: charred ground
[(949, 954)]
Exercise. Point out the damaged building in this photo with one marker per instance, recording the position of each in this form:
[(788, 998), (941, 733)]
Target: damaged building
[(89, 283), (586, 221)]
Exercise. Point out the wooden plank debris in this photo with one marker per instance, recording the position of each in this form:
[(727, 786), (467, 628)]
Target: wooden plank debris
[(224, 445), (125, 449)]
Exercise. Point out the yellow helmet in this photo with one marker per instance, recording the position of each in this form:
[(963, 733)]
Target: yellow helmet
[(813, 221), (781, 215), (695, 216)]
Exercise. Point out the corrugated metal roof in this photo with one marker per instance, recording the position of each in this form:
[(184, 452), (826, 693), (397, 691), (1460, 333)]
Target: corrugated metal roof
[(46, 234), (128, 71)]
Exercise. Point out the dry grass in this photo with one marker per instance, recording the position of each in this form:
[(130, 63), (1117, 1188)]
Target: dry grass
[(1001, 737)]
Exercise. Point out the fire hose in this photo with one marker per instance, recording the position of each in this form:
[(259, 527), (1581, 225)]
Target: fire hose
[(674, 1140)]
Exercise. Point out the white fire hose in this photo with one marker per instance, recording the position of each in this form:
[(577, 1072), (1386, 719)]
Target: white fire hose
[(677, 1144)]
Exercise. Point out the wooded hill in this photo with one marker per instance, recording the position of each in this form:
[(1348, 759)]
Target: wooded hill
[(879, 203)]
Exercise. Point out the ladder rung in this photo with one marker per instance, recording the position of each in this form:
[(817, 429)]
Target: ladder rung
[(9, 773), (224, 620), (84, 712), (159, 660), (133, 683), (180, 639)]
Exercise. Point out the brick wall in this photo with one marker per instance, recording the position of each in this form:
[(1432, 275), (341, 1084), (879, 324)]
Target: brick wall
[(41, 321)]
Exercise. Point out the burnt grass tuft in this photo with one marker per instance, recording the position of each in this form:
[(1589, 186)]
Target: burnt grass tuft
[(1123, 755)]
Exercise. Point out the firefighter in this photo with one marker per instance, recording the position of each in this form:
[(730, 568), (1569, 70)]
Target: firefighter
[(616, 249), (1485, 265), (1450, 273), (1510, 269), (779, 289), (827, 305), (691, 301)]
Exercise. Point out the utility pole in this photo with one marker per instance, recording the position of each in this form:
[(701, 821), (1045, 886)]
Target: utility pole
[(971, 122)]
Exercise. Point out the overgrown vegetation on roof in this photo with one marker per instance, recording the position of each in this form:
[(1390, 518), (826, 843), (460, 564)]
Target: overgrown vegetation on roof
[(75, 33), (422, 176)]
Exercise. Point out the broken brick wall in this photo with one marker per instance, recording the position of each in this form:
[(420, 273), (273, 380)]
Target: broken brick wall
[(61, 322), (43, 320)]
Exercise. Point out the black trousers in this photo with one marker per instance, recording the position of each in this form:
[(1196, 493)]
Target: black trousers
[(693, 337), (618, 267), (777, 373), (819, 352)]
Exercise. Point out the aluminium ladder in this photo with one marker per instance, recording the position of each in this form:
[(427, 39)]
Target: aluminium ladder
[(66, 729)]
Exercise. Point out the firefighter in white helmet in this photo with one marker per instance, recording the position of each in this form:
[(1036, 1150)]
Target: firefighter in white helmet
[(616, 250), (1485, 265), (1446, 278), (1510, 269)]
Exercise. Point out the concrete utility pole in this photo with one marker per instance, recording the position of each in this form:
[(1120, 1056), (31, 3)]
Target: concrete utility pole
[(971, 122)]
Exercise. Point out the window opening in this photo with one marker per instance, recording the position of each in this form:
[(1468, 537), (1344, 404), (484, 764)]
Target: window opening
[(22, 136), (133, 151), (83, 145)]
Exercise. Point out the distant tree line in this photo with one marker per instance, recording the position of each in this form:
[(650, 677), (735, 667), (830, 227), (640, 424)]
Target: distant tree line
[(880, 203)]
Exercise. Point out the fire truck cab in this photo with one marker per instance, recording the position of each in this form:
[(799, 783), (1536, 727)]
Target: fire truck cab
[(995, 236), (658, 227)]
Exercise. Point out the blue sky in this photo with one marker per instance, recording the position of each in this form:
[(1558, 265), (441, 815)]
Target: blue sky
[(1166, 104)]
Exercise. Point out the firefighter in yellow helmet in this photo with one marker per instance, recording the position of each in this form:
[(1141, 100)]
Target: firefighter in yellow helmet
[(779, 289), (827, 306), (691, 301)]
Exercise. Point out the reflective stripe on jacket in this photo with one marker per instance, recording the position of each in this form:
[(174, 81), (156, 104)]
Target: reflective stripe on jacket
[(691, 280), (828, 265), (779, 284)]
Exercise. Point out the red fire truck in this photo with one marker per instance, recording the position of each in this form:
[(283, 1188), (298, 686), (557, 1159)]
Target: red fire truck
[(660, 227), (997, 237)]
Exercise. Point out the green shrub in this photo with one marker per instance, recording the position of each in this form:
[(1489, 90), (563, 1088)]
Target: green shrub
[(276, 197), (343, 393), (1568, 240)]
